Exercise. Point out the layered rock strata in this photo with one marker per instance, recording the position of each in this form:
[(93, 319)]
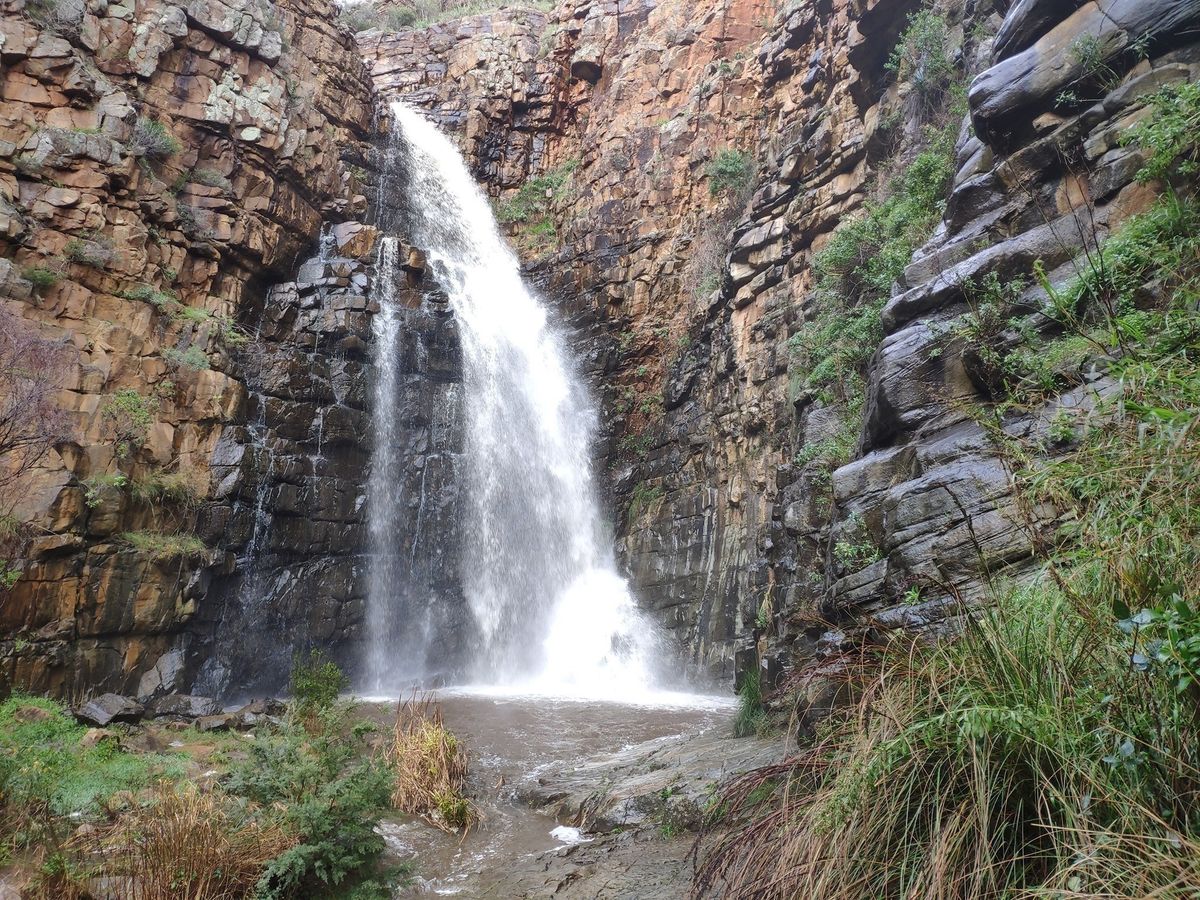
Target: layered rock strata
[(686, 301), (161, 166)]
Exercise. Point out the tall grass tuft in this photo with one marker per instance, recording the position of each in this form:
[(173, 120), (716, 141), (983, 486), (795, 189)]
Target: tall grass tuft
[(1019, 761), (431, 768), (752, 717), (190, 845)]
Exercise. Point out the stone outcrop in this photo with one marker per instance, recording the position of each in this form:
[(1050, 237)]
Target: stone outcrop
[(678, 166), (685, 302), (161, 165)]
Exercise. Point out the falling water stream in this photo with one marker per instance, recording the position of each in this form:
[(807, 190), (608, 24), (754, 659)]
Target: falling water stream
[(551, 612)]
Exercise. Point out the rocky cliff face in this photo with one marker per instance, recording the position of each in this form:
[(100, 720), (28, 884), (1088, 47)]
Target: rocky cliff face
[(799, 457), (161, 166), (756, 507)]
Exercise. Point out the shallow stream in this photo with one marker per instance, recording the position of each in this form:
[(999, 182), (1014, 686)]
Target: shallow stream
[(512, 741)]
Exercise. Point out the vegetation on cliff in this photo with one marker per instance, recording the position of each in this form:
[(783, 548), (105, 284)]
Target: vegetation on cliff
[(1054, 749), (393, 16)]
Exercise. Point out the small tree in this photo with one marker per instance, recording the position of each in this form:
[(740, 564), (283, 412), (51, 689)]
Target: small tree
[(31, 422)]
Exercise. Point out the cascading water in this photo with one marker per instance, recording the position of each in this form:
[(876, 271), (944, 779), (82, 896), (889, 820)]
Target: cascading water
[(536, 565)]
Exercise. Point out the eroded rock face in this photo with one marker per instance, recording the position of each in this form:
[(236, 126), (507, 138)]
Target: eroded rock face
[(721, 512), (683, 293), (168, 163)]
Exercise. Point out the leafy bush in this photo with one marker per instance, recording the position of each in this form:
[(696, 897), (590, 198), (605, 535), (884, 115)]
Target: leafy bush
[(41, 277), (94, 486), (431, 768), (130, 416), (146, 293), (96, 251), (642, 497), (922, 58), (1169, 133), (731, 174), (316, 682), (305, 780), (212, 178), (192, 358), (152, 140), (530, 210)]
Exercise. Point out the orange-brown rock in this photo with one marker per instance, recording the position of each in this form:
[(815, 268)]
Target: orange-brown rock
[(166, 162)]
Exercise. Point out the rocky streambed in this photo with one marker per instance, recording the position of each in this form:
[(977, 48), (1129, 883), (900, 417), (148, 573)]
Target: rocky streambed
[(579, 798)]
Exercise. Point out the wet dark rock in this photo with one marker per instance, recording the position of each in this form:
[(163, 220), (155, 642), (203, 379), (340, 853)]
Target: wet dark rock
[(183, 706), (1019, 83), (265, 707), (106, 709)]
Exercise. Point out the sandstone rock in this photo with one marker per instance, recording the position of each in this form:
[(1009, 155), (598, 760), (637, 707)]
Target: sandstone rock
[(94, 737), (220, 722)]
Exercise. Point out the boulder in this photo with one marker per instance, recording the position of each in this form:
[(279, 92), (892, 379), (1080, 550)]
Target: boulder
[(1004, 95), (185, 706), (102, 711), (214, 723), (267, 706)]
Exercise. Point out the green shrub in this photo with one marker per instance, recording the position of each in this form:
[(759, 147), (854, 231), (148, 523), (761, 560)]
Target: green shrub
[(642, 497), (855, 549), (130, 416), (152, 140), (145, 293), (192, 358), (96, 251), (310, 783), (1169, 133), (163, 546), (94, 486), (41, 277), (212, 178), (530, 210), (731, 174), (922, 57), (316, 681)]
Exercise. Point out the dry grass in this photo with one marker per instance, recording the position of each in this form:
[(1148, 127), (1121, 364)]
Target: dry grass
[(431, 767), (187, 845)]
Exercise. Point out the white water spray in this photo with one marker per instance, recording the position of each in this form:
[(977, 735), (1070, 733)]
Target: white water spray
[(553, 615)]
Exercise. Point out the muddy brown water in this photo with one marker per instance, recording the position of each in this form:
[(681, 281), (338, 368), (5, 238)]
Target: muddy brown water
[(512, 740)]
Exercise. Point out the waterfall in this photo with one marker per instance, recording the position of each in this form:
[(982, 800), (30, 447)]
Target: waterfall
[(551, 612)]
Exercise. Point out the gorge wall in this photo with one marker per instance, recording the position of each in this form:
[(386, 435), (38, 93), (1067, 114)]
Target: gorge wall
[(760, 505), (161, 167)]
